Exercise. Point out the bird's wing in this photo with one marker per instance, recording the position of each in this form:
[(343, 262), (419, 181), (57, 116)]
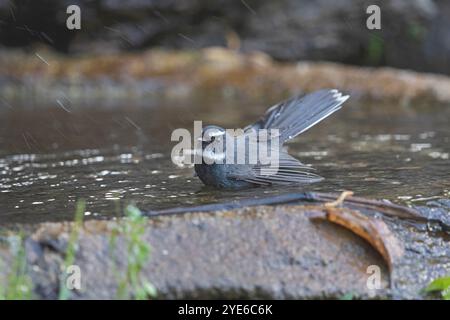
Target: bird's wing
[(298, 114), (289, 171)]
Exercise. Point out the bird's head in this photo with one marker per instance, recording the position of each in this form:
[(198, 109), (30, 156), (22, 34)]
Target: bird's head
[(213, 143), (212, 134)]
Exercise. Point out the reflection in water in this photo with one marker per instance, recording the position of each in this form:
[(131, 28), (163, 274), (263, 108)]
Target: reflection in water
[(49, 158)]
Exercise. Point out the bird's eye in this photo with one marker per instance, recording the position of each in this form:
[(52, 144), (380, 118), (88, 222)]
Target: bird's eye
[(212, 135)]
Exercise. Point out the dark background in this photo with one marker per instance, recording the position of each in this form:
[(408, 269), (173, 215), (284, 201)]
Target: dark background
[(415, 33)]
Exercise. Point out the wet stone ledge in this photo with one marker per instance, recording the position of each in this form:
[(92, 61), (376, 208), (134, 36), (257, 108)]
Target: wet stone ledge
[(258, 252)]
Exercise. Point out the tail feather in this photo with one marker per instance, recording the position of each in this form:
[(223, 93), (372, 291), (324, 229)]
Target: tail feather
[(296, 115)]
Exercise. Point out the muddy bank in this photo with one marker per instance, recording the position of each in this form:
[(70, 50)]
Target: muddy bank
[(47, 77), (260, 252)]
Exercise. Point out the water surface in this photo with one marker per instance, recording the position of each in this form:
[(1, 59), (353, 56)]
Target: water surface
[(51, 156)]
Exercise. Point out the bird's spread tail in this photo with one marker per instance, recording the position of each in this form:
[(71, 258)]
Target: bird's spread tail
[(296, 115)]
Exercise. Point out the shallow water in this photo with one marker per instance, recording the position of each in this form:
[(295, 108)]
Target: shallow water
[(51, 156)]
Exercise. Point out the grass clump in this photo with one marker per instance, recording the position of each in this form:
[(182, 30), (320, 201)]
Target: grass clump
[(18, 284), (131, 283), (441, 285), (72, 246)]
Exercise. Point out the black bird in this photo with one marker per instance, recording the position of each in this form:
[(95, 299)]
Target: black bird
[(291, 117)]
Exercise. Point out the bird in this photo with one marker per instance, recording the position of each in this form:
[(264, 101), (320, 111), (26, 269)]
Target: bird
[(289, 118)]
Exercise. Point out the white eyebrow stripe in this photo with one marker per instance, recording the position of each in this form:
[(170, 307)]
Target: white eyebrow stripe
[(216, 133)]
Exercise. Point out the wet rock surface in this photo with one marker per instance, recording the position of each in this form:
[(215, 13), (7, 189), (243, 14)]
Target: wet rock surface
[(414, 33), (260, 252)]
